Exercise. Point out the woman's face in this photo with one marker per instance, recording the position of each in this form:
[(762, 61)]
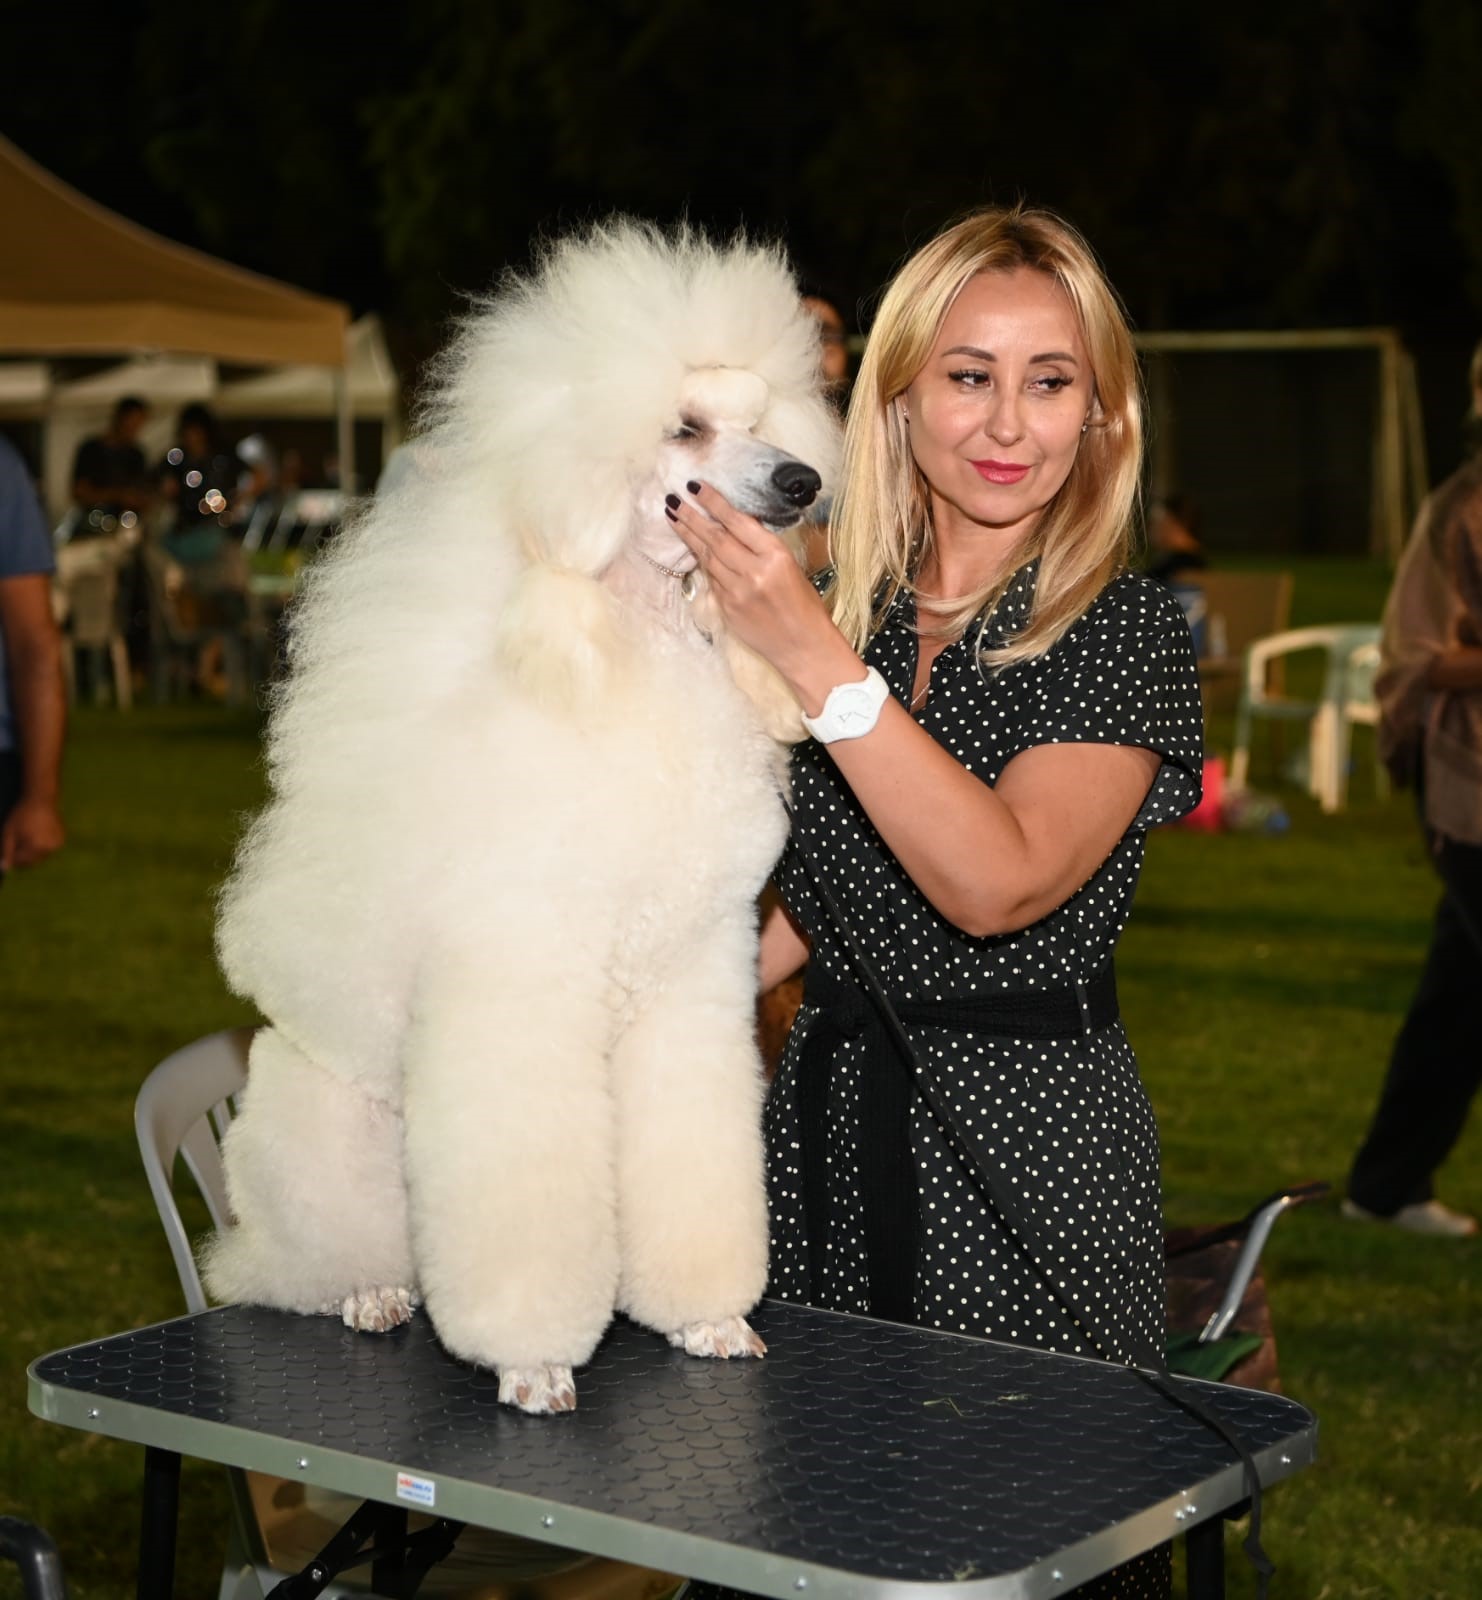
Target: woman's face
[(996, 413)]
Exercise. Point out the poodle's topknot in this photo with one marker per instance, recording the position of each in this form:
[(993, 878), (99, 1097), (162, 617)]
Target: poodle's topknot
[(563, 381), (547, 409)]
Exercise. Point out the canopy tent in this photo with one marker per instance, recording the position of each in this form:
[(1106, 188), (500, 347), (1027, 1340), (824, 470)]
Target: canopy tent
[(77, 279), (70, 410), (25, 387), (303, 390)]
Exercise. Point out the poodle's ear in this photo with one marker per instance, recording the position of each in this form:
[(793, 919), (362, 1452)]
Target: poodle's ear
[(781, 715), (558, 638)]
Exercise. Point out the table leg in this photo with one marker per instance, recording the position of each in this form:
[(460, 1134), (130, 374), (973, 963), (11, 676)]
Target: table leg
[(391, 1537), (157, 1524), (1204, 1548)]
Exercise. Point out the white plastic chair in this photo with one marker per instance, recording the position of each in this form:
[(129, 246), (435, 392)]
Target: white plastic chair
[(1327, 735), (183, 1110), (178, 639), (87, 580), (1356, 704)]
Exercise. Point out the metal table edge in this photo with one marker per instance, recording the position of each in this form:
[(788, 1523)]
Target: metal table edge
[(782, 1577)]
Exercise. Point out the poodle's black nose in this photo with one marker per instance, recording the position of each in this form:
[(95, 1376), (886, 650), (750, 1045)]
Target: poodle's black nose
[(798, 484)]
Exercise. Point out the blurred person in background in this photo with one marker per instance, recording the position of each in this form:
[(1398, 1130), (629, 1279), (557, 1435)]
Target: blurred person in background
[(199, 480), (112, 489), (33, 699), (1176, 559), (1429, 690), (835, 366), (1175, 554), (110, 478), (835, 339)]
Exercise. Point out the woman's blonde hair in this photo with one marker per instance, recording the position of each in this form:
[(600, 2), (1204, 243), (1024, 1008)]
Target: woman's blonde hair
[(881, 528)]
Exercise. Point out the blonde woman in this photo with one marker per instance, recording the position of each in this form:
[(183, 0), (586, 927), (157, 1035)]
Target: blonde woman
[(1000, 710)]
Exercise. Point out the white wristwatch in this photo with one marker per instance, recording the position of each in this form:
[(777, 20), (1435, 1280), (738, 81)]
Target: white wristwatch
[(851, 709)]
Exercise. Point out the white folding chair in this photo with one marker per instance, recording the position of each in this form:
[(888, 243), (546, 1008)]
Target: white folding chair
[(182, 1111), (1323, 715), (1356, 704), (87, 579)]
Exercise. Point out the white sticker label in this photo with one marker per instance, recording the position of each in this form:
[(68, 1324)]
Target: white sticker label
[(420, 1491)]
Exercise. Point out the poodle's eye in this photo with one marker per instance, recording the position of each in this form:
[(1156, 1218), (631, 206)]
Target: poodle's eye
[(688, 429)]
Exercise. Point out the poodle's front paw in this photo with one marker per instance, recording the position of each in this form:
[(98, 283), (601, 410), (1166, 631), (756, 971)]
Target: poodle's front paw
[(732, 1336), (538, 1390), (377, 1310)]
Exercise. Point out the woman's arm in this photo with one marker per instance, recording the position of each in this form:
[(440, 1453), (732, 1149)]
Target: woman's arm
[(991, 860), (33, 653), (994, 860), (1458, 666), (784, 949)]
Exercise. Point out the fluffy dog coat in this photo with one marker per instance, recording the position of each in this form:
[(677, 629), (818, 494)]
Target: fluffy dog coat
[(498, 911)]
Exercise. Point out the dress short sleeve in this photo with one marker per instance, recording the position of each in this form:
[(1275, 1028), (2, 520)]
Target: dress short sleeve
[(1125, 674)]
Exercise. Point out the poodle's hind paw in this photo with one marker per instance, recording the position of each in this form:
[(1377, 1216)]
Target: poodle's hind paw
[(377, 1310), (732, 1336), (538, 1390)]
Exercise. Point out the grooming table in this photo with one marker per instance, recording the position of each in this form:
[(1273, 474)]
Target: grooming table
[(860, 1458)]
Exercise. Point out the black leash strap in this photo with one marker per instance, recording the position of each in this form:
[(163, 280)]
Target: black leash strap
[(889, 1199), (994, 1191)]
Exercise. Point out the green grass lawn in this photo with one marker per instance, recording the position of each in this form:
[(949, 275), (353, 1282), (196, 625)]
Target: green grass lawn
[(1262, 980)]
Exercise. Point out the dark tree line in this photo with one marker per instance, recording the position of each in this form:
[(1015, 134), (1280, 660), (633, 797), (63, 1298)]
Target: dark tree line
[(1316, 165)]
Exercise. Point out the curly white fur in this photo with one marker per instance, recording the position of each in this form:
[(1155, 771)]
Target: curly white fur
[(499, 909)]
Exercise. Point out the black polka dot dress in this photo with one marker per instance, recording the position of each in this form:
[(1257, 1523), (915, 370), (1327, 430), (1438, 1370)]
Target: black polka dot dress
[(1064, 1122)]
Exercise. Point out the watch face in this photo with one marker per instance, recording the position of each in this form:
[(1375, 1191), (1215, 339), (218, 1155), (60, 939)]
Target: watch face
[(854, 707)]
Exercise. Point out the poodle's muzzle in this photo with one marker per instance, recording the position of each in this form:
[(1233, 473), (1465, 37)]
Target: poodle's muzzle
[(767, 484)]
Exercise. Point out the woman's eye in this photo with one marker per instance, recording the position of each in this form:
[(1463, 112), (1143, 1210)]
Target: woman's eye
[(687, 430), (1053, 383), (969, 377)]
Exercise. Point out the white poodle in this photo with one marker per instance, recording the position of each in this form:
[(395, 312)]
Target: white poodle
[(499, 911)]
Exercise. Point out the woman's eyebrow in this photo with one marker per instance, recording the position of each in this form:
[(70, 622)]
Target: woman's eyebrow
[(987, 355)]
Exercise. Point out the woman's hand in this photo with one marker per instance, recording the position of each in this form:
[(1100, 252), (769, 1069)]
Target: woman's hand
[(764, 595)]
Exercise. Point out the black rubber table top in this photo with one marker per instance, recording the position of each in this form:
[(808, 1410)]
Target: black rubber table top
[(859, 1456)]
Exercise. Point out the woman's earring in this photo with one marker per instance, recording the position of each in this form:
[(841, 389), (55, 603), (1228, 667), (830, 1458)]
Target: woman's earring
[(1084, 426)]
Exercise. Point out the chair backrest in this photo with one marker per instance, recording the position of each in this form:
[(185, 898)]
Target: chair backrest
[(1363, 668), (183, 1108), (91, 596), (1337, 640), (1241, 607), (305, 519), (166, 585)]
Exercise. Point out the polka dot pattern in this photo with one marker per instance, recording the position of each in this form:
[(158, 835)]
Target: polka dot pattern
[(1065, 1122)]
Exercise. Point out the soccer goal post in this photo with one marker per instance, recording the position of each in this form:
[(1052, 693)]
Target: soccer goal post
[(1303, 441)]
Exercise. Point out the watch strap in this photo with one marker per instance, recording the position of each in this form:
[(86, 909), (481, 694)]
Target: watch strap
[(851, 710)]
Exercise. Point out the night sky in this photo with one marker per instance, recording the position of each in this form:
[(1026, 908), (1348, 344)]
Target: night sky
[(1321, 166)]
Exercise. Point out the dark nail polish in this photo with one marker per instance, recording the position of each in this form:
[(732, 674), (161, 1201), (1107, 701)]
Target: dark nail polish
[(668, 513), (672, 500), (694, 488)]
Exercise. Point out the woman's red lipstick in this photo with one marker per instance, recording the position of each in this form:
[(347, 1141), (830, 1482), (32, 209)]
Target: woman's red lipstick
[(999, 471)]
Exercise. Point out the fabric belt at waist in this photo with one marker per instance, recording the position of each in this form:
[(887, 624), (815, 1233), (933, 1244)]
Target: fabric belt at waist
[(887, 1180)]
